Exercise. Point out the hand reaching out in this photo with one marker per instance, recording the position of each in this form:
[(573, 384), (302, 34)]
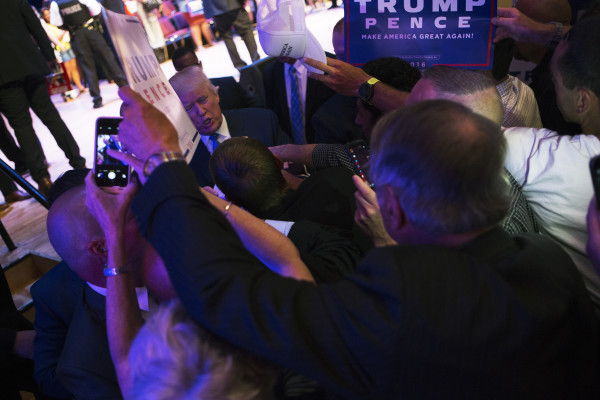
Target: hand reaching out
[(339, 75), (368, 215), (512, 23), (145, 130)]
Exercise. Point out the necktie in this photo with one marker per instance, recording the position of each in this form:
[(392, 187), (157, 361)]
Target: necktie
[(296, 109), (214, 141)]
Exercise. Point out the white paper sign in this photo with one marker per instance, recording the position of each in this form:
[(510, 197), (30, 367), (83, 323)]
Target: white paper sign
[(146, 77)]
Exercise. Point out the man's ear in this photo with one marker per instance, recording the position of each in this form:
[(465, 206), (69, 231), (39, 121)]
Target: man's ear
[(391, 210), (583, 100), (98, 248)]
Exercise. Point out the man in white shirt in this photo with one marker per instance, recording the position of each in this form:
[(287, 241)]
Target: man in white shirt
[(553, 170)]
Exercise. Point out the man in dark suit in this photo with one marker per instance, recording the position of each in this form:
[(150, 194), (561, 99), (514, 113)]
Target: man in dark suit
[(23, 85), (231, 94), (458, 310), (201, 100), (71, 354), (277, 82)]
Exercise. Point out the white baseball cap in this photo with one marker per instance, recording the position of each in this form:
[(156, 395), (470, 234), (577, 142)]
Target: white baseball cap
[(282, 31)]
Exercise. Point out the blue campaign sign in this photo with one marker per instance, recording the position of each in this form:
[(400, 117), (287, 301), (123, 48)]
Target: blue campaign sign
[(422, 32)]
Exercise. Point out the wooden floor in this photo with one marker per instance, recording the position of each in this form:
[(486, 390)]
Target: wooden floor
[(26, 221)]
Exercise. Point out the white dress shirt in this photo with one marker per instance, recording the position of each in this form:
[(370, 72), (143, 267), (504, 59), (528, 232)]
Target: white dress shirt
[(223, 132), (554, 173)]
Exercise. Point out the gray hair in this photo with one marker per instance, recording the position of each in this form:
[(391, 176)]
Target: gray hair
[(173, 358), (444, 163)]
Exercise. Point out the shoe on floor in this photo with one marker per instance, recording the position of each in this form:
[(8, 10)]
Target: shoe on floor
[(15, 196), (44, 185), (98, 104)]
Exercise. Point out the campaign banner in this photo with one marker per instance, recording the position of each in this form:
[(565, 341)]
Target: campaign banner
[(147, 78), (422, 32)]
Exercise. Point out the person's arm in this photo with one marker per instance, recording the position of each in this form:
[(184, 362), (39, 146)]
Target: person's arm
[(318, 156), (266, 243), (123, 315), (94, 6), (53, 38), (346, 79), (296, 153), (368, 214), (55, 17), (512, 23)]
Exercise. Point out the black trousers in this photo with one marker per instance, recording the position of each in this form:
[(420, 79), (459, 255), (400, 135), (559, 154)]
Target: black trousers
[(88, 42), (15, 100), (239, 19)]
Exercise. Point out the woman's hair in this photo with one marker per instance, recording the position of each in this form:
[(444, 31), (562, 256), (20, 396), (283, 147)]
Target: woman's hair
[(173, 358)]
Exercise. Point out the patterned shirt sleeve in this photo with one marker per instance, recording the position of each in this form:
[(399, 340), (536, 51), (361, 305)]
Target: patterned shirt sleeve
[(331, 155)]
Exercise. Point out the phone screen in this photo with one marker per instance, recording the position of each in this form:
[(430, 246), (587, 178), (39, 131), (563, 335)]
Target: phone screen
[(108, 170), (360, 155)]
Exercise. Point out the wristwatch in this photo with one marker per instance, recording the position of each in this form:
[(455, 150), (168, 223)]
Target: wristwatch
[(367, 90), (158, 158)]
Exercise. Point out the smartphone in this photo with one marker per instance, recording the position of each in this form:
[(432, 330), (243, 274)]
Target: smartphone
[(359, 153), (111, 174), (595, 171)]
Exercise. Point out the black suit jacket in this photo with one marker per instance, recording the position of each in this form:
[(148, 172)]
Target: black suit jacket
[(316, 94), (72, 357), (497, 318), (333, 122), (232, 95), (21, 56), (257, 123), (328, 252)]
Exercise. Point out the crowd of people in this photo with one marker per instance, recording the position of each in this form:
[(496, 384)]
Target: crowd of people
[(466, 265)]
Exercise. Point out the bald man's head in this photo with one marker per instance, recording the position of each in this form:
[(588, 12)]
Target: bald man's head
[(470, 88), (76, 236)]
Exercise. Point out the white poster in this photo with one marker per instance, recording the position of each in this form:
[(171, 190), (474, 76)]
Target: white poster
[(146, 77)]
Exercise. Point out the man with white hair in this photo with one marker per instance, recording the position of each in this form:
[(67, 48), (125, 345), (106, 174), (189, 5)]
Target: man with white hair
[(201, 101)]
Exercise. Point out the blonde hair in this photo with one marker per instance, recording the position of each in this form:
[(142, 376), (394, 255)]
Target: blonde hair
[(173, 358)]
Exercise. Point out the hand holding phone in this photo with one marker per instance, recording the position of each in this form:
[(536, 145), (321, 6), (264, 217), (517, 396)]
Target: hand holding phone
[(111, 174)]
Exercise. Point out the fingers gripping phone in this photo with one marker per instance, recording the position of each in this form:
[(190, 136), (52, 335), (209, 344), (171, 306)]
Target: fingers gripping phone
[(111, 174), (595, 171)]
